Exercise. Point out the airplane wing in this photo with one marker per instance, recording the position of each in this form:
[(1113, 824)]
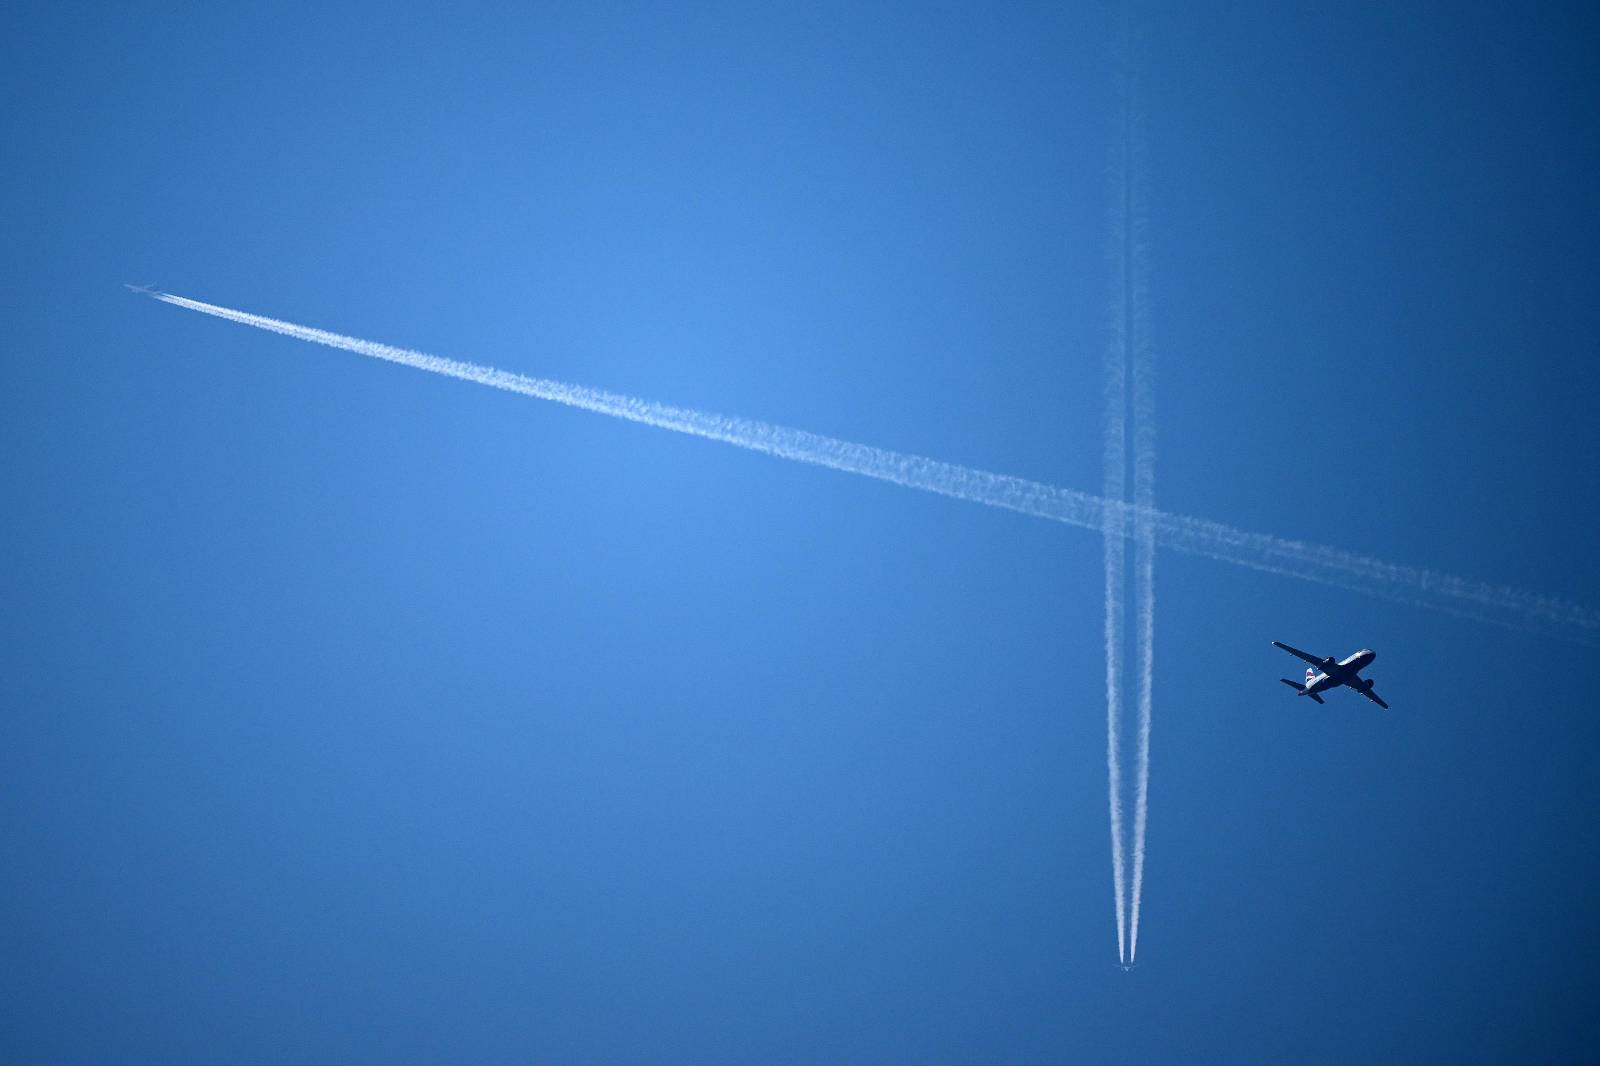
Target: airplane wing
[(1373, 696), (1298, 654)]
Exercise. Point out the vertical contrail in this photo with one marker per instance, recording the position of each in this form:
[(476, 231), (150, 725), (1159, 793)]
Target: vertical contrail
[(1137, 265), (1123, 335), (1129, 391), (1115, 528)]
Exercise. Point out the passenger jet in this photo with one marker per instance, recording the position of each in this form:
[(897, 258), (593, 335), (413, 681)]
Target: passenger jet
[(1326, 674)]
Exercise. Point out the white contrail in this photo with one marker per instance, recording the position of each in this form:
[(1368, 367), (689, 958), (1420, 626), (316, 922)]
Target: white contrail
[(1503, 606), (1114, 469), (1137, 265)]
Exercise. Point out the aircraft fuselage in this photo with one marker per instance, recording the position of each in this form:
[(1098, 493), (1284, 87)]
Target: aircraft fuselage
[(1345, 672), (1327, 673)]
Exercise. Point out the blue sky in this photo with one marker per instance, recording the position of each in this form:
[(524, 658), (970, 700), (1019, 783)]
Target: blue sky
[(353, 714)]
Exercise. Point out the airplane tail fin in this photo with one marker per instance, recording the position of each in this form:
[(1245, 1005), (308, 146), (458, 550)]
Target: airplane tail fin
[(1300, 690)]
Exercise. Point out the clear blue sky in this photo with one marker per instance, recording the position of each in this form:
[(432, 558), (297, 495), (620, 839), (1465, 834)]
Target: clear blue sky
[(355, 715)]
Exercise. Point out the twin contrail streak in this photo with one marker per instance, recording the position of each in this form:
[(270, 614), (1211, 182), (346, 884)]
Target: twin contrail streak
[(1129, 388), (1503, 606), (1117, 529), (1114, 478), (1137, 267)]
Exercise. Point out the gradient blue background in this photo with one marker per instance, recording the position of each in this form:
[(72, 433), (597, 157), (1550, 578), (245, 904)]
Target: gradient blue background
[(355, 715)]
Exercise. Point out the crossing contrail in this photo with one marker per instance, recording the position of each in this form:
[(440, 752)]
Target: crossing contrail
[(1498, 605)]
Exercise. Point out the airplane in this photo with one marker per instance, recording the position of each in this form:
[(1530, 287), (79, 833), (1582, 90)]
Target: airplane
[(1126, 967), (1327, 674), (148, 290)]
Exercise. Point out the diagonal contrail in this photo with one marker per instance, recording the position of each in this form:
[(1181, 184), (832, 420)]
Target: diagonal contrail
[(1498, 605)]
